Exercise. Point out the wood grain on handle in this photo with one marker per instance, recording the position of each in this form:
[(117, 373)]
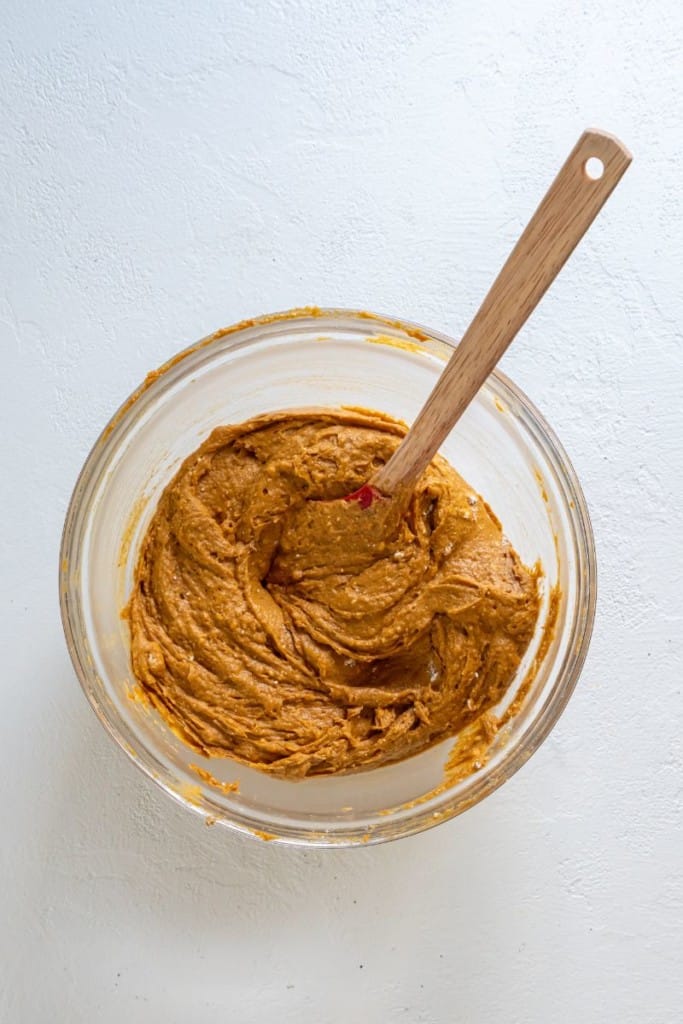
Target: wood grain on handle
[(571, 204)]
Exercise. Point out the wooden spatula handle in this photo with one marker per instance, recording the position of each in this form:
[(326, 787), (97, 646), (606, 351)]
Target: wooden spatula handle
[(565, 214)]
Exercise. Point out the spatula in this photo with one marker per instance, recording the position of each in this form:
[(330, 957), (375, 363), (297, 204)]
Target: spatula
[(587, 178)]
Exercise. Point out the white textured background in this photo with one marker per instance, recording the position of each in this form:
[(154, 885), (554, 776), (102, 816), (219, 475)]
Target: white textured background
[(168, 167)]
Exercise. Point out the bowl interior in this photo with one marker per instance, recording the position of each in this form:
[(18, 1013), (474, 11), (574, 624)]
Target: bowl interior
[(500, 446)]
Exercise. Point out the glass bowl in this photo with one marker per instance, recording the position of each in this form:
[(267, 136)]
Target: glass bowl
[(502, 446)]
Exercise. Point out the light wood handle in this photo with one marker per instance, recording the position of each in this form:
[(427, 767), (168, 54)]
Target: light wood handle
[(564, 215)]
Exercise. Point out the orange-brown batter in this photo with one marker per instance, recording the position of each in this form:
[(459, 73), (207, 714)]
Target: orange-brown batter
[(303, 635)]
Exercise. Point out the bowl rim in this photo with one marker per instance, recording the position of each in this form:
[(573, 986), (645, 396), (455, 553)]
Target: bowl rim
[(481, 785)]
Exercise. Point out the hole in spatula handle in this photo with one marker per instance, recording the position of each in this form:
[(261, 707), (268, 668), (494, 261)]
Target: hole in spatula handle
[(594, 168)]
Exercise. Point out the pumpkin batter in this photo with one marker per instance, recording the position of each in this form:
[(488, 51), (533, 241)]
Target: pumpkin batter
[(303, 635)]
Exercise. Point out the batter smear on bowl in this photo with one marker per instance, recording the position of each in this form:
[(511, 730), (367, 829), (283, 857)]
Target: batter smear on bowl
[(303, 635)]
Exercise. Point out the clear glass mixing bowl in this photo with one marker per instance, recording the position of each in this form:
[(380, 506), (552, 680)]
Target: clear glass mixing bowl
[(502, 446)]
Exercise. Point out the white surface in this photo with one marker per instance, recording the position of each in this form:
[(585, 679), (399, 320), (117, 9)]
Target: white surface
[(166, 168)]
